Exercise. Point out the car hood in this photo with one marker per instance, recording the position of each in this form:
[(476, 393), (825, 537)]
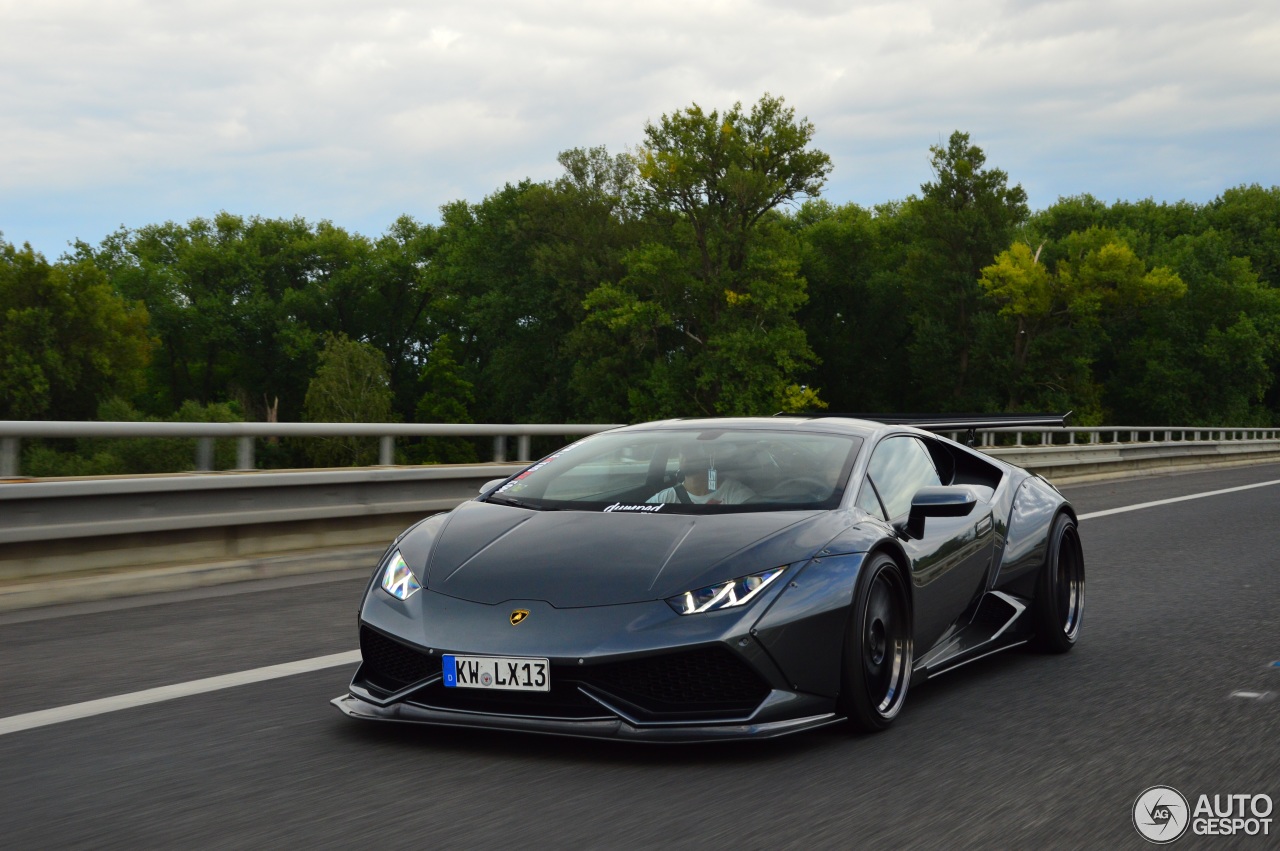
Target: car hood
[(489, 553)]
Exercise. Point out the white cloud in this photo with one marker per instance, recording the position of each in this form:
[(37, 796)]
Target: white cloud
[(137, 110)]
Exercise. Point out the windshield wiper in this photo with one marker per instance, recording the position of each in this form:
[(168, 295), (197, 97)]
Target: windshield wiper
[(507, 500), (518, 503)]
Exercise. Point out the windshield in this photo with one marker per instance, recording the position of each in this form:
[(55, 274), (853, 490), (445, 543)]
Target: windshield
[(693, 471)]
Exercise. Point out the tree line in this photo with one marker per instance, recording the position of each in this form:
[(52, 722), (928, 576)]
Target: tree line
[(701, 273)]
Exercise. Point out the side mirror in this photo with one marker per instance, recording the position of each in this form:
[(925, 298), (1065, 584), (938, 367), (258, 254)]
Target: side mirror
[(945, 501), (491, 484)]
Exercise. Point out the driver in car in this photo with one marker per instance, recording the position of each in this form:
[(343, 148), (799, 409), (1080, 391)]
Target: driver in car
[(701, 484)]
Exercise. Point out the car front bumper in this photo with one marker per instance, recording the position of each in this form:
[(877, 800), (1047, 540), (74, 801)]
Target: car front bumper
[(591, 728)]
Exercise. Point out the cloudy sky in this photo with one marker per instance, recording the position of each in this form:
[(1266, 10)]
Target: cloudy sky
[(129, 112)]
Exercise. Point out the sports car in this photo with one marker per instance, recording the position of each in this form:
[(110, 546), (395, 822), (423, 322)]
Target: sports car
[(708, 579)]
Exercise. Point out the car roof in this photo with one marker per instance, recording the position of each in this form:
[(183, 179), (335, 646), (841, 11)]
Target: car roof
[(825, 425)]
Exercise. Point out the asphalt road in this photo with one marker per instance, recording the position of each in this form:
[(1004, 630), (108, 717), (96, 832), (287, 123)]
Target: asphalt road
[(1017, 751)]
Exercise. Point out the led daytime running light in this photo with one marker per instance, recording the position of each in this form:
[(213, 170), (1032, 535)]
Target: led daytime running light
[(397, 579), (735, 592)]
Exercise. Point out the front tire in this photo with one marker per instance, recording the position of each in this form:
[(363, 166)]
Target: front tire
[(1059, 603), (877, 648)]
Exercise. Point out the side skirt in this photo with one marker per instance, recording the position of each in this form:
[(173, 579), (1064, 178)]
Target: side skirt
[(998, 624)]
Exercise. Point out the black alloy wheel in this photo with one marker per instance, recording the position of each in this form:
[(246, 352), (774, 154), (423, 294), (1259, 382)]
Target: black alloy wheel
[(1059, 603), (878, 650)]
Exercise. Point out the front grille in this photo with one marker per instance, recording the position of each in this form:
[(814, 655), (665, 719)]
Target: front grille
[(390, 665), (563, 701), (707, 683), (710, 680)]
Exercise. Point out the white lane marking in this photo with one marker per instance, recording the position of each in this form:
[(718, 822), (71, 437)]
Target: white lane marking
[(1252, 695), (76, 711), (1172, 500)]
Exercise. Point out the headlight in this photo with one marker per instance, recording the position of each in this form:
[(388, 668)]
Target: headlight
[(735, 592), (397, 579)]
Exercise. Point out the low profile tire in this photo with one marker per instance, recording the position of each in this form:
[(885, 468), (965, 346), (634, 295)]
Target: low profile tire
[(1059, 604), (877, 648)]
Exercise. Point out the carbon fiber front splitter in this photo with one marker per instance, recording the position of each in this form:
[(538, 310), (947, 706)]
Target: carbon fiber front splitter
[(613, 728)]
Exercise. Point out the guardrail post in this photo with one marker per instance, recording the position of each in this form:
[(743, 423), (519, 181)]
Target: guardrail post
[(522, 448), (386, 450), (9, 457), (500, 449), (204, 454), (244, 453)]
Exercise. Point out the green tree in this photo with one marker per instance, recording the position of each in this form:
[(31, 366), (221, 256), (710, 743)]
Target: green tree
[(1248, 220), (702, 320), (967, 215), (511, 274), (351, 385), (1207, 359), (378, 291), (67, 341), (722, 174), (854, 318), (241, 305), (216, 292), (446, 398), (1062, 312)]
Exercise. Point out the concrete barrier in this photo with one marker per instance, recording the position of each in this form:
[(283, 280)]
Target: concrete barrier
[(97, 538)]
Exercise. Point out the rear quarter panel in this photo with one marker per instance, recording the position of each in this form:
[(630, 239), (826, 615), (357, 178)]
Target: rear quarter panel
[(1035, 505)]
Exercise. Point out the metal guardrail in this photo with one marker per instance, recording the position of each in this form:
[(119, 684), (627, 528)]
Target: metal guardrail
[(1056, 436), (12, 432), (61, 510)]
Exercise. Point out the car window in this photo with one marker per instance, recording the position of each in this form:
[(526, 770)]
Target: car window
[(626, 466), (869, 502), (900, 466), (672, 471)]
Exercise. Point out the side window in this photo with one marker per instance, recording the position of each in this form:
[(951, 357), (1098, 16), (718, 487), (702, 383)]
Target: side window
[(869, 502), (900, 466)]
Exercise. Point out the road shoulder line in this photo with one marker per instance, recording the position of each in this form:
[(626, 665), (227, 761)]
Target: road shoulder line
[(89, 708), (1126, 508)]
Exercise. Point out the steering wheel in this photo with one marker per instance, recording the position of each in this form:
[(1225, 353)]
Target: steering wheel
[(799, 486)]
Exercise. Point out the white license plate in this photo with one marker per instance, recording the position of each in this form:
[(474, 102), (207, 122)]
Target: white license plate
[(505, 673)]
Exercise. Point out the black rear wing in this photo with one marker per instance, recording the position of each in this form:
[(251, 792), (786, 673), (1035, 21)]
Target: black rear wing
[(961, 422)]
